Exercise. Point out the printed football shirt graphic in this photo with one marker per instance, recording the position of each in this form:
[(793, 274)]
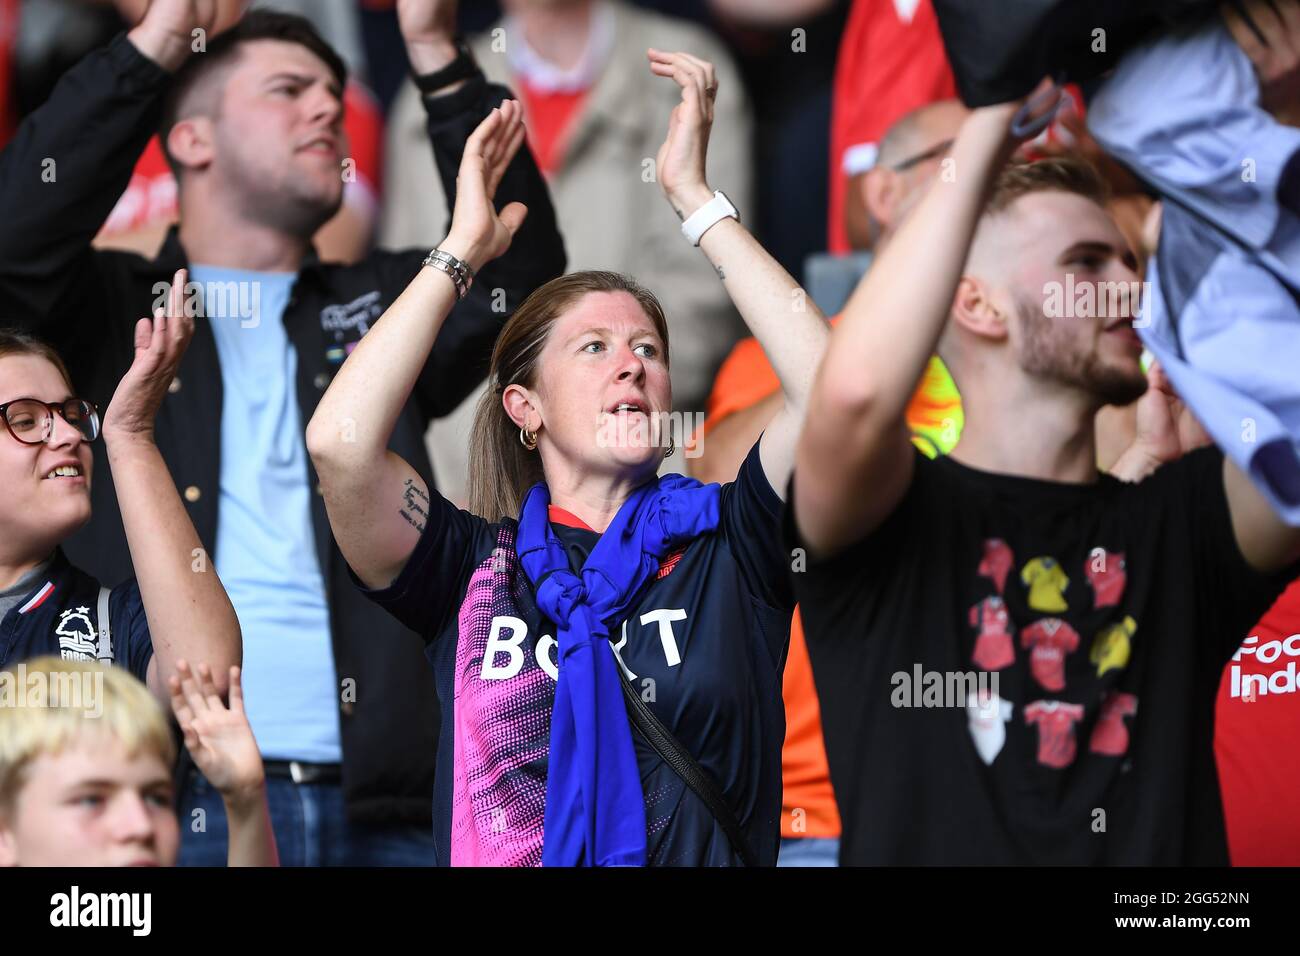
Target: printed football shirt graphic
[(987, 717), (1106, 573), (1055, 720), (1112, 645), (1051, 639), (997, 562), (1047, 582), (1110, 736), (994, 647)]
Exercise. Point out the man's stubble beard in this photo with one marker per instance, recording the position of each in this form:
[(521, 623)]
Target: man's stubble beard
[(1050, 357), (271, 201)]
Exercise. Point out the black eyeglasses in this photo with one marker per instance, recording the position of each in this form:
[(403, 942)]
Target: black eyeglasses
[(934, 151), (31, 421)]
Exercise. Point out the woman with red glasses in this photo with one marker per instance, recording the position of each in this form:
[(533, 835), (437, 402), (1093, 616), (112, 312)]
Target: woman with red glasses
[(175, 608)]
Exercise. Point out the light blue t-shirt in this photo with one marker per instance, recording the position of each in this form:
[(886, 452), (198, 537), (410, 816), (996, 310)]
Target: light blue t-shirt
[(266, 550)]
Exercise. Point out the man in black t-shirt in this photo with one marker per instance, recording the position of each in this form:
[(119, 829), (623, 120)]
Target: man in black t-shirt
[(1086, 737)]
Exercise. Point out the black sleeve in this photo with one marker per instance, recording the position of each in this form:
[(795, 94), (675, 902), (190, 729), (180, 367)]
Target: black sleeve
[(1232, 595), (459, 359), (428, 592), (751, 520), (839, 582), (62, 173)]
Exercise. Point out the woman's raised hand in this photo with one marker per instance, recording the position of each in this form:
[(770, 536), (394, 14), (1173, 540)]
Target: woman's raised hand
[(160, 343), (680, 165), (478, 232)]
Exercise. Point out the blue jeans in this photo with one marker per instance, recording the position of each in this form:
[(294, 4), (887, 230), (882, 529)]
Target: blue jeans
[(808, 851), (310, 824)]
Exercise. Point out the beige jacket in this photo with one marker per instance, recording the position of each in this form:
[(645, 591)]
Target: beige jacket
[(611, 217)]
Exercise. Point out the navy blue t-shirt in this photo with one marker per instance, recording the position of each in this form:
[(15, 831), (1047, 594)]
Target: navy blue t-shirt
[(705, 647), (60, 616)]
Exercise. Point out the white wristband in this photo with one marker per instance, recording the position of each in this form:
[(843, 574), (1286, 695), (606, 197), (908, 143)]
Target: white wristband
[(707, 216)]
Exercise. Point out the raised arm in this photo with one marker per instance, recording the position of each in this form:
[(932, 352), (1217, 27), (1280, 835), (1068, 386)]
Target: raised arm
[(855, 459), (1266, 542), (377, 503), (536, 255), (789, 326), (221, 742), (188, 611), (72, 157)]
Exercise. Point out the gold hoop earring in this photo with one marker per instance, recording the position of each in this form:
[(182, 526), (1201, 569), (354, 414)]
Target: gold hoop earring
[(527, 439)]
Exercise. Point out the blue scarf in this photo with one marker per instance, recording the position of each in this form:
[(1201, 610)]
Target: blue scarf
[(595, 811)]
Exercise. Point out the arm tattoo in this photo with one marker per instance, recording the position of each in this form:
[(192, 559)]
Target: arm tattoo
[(415, 506), (721, 275)]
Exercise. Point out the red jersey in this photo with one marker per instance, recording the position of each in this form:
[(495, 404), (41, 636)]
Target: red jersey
[(891, 61), (8, 37), (1051, 639), (1105, 572), (1056, 720), (1110, 736), (997, 562), (994, 648), (1257, 739)]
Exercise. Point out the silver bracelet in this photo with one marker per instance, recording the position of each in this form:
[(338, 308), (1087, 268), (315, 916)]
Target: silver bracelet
[(461, 274)]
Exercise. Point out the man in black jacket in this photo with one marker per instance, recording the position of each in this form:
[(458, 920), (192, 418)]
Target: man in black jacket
[(339, 695)]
